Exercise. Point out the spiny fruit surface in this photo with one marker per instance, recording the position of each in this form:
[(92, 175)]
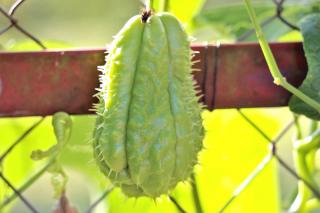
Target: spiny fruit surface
[(149, 129)]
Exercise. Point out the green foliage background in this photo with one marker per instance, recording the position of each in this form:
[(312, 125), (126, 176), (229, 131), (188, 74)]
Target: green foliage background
[(233, 148)]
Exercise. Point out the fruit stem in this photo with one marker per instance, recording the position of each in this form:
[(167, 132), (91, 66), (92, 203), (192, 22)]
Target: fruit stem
[(278, 79)]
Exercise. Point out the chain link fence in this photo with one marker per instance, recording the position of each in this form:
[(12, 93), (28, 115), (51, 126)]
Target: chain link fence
[(273, 153)]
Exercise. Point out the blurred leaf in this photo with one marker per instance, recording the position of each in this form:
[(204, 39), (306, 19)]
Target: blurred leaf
[(231, 154), (117, 202), (29, 45), (184, 10), (290, 37), (17, 167), (237, 22), (210, 34)]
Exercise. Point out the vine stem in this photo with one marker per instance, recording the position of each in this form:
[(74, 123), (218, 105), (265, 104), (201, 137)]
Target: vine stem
[(278, 79), (298, 126), (195, 193), (304, 154), (149, 4), (165, 6), (304, 192)]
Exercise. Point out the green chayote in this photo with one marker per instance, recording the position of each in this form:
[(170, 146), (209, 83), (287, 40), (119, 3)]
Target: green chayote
[(149, 129)]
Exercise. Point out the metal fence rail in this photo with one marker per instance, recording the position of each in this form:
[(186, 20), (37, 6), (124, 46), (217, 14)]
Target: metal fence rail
[(272, 155), (215, 63)]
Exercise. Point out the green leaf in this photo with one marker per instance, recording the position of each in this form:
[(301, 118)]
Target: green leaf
[(310, 28)]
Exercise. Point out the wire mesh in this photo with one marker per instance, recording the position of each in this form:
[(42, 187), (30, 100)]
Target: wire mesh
[(272, 155), (14, 23)]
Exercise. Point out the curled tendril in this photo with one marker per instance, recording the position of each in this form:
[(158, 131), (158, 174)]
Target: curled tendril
[(62, 124)]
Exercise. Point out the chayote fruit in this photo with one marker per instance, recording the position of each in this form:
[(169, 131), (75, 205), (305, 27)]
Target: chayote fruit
[(149, 130)]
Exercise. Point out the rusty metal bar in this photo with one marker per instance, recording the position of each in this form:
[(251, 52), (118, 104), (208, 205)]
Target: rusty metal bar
[(231, 76)]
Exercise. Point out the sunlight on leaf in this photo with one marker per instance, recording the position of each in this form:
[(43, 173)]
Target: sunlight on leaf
[(290, 36), (184, 10), (233, 150)]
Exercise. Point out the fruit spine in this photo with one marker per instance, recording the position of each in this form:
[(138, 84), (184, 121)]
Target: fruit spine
[(149, 129)]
